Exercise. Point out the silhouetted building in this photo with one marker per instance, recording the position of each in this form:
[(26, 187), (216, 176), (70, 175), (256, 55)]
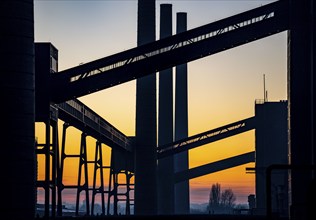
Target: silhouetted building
[(46, 63), (271, 148), (18, 173), (301, 97)]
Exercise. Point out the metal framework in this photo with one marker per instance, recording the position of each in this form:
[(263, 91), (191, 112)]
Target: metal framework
[(206, 137), (215, 166), (162, 54), (129, 65), (83, 118), (120, 190), (50, 149), (75, 113)]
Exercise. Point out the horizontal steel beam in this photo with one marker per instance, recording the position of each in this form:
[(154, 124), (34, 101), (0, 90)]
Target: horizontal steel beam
[(171, 51), (215, 167), (77, 114), (206, 137)]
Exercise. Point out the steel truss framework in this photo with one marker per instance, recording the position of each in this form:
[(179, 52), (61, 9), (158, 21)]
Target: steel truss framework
[(121, 164), (129, 65), (53, 183)]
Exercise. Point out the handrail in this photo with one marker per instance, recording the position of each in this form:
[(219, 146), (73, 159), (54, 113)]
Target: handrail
[(87, 116), (206, 137), (180, 40), (120, 67)]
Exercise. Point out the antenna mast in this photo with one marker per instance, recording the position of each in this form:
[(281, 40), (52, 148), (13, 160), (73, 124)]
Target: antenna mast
[(265, 93), (264, 88)]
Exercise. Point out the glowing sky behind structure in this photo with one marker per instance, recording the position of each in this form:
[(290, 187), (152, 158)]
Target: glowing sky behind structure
[(222, 87)]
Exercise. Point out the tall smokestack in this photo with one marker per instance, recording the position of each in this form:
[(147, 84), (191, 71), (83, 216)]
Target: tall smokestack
[(18, 101), (165, 122), (146, 122), (181, 160)]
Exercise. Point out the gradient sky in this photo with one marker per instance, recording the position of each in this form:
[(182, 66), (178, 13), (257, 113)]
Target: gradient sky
[(222, 87)]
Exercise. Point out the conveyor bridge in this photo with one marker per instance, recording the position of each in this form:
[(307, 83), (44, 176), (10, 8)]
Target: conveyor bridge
[(171, 51)]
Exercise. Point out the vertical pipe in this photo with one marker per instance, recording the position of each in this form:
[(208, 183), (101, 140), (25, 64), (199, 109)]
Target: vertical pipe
[(165, 122), (181, 160), (62, 163), (101, 177), (264, 88), (110, 182), (127, 206), (86, 177), (95, 169), (300, 96), (55, 164), (47, 167), (146, 122), (18, 100)]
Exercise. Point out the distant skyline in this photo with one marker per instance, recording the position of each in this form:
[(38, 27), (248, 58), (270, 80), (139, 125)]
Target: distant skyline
[(222, 87)]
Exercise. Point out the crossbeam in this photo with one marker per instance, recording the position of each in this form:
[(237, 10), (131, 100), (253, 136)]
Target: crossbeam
[(206, 137), (159, 55), (215, 167)]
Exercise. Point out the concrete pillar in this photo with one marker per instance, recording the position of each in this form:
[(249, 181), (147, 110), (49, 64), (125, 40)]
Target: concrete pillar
[(146, 124), (301, 77), (165, 122), (181, 160), (18, 173)]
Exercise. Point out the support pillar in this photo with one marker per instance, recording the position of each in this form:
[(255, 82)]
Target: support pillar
[(98, 166), (83, 162), (301, 104), (18, 100), (181, 160), (165, 122), (146, 123)]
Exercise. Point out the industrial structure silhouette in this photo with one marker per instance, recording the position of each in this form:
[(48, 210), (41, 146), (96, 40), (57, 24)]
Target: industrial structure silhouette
[(31, 76)]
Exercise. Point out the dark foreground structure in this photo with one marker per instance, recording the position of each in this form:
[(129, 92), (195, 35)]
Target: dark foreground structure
[(184, 217), (18, 161)]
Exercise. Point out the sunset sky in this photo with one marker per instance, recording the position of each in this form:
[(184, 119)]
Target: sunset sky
[(222, 88)]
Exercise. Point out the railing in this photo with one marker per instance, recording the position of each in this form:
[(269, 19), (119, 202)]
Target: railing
[(207, 137), (170, 51), (183, 43), (81, 112)]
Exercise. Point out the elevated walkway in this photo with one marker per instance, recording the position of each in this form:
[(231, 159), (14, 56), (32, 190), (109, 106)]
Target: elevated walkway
[(171, 51), (206, 137), (80, 116)]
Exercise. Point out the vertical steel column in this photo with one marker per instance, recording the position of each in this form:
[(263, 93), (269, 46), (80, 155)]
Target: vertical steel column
[(17, 86), (55, 164), (129, 175), (47, 167), (98, 164), (119, 165), (301, 102), (50, 151), (146, 122), (62, 163), (59, 177), (112, 183), (181, 160), (85, 186), (165, 122)]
